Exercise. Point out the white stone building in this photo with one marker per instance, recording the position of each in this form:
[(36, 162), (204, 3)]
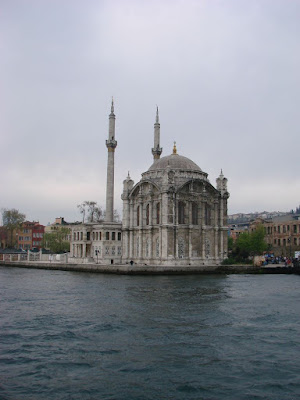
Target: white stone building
[(172, 216)]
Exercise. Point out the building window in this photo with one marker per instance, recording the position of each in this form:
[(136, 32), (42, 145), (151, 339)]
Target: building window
[(275, 241), (119, 235), (194, 213), (158, 213), (284, 242), (278, 229), (93, 235), (138, 216), (119, 251), (279, 243), (88, 236), (107, 235), (274, 229), (181, 212), (100, 235), (207, 214), (284, 229), (106, 250), (113, 251), (97, 235), (295, 228), (81, 235), (295, 241), (288, 228), (113, 236), (147, 214)]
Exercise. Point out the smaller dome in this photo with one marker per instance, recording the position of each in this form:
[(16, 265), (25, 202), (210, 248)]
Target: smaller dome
[(175, 161)]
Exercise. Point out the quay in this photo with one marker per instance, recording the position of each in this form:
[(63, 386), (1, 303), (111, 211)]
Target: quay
[(138, 269)]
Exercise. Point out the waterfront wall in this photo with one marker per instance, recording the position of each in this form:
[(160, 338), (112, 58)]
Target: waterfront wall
[(150, 270)]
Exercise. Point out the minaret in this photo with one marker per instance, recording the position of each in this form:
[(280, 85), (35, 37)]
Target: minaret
[(222, 183), (157, 150), (111, 144)]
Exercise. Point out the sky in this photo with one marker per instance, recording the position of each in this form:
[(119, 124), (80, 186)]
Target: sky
[(225, 76)]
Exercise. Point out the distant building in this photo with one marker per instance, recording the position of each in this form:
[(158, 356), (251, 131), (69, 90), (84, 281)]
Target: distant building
[(236, 229), (282, 233), (30, 235), (56, 226)]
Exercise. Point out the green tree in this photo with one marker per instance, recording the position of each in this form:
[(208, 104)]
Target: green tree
[(257, 241), (57, 241), (250, 244), (230, 243), (12, 220)]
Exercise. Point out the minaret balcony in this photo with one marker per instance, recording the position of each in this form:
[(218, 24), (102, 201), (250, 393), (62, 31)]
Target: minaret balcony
[(111, 143)]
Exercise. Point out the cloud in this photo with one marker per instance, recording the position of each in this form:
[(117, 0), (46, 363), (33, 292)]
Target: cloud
[(224, 75)]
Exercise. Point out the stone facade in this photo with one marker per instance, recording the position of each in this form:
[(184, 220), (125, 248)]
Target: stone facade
[(99, 242), (172, 217)]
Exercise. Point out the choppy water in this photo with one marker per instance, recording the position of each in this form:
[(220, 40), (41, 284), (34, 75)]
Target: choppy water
[(70, 335)]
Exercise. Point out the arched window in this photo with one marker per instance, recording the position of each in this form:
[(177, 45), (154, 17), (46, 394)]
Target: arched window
[(158, 213), (181, 212), (194, 213), (207, 214), (147, 214), (138, 216)]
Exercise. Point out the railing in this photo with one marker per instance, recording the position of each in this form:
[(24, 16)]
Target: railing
[(31, 256)]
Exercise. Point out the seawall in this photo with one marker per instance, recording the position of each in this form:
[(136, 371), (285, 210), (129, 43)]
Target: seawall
[(136, 269)]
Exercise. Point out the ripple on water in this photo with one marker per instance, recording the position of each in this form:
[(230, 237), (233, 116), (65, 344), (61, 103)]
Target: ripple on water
[(85, 336)]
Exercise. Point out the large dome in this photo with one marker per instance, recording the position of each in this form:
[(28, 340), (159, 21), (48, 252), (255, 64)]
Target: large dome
[(174, 161)]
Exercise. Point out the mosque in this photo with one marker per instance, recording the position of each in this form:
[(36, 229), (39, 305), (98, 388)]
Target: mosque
[(172, 217)]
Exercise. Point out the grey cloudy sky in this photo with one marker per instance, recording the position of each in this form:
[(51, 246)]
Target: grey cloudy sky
[(224, 74)]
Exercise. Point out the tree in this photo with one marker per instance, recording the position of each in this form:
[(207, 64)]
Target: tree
[(82, 207), (12, 220), (90, 209), (250, 244), (257, 241), (57, 241)]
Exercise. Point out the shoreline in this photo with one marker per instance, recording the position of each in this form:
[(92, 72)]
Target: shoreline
[(137, 269)]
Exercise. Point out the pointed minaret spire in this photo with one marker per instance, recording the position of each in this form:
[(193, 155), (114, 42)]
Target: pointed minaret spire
[(112, 110), (111, 144), (157, 150), (157, 116)]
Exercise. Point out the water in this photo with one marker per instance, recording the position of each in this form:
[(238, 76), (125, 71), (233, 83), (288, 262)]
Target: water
[(80, 336)]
